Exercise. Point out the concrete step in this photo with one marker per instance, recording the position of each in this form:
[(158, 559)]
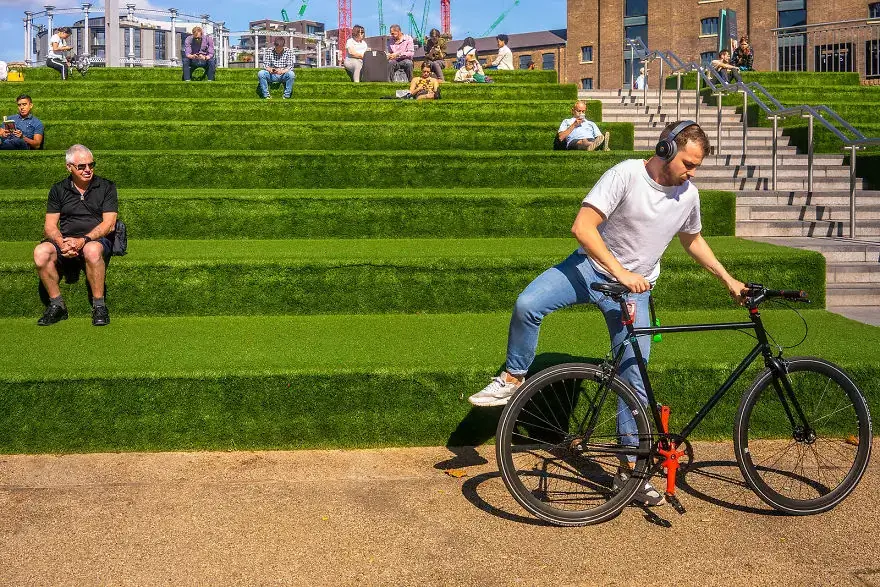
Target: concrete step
[(852, 294), (824, 198), (784, 158), (765, 171), (853, 273), (662, 118), (648, 130), (733, 150), (867, 229), (730, 144), (835, 250), (807, 213), (765, 184)]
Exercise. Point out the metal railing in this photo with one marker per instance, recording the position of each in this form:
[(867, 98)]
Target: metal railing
[(851, 137), (843, 46)]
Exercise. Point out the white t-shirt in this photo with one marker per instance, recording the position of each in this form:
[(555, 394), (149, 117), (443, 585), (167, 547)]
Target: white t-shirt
[(56, 39), (358, 47), (642, 216), (4, 71), (504, 59), (587, 130)]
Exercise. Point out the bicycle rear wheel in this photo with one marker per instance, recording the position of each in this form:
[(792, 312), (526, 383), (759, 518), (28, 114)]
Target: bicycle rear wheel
[(558, 447), (812, 465)]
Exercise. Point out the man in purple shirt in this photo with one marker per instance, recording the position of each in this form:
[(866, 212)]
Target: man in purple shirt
[(198, 51), (400, 53)]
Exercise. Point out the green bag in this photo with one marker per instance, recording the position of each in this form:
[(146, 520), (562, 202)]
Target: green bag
[(479, 78)]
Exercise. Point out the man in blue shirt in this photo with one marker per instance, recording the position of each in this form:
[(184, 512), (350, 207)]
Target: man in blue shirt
[(28, 131), (580, 133)]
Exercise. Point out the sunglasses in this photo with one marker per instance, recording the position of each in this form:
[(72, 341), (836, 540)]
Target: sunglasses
[(84, 166)]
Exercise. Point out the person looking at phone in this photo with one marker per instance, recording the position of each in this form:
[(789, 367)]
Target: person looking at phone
[(579, 133), (277, 67), (22, 130), (56, 58), (198, 51)]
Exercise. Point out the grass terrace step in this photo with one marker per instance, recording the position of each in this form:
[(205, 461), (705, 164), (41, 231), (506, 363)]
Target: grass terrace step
[(781, 78), (301, 91), (366, 276), (303, 74), (388, 135), (272, 382), (397, 170), (237, 109), (354, 213)]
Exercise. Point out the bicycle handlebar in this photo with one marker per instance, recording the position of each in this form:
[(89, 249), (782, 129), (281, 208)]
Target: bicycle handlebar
[(757, 293)]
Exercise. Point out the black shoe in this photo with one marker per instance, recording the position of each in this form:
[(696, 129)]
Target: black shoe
[(100, 316), (54, 313)]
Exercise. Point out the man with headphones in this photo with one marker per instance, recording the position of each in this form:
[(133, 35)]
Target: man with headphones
[(624, 226)]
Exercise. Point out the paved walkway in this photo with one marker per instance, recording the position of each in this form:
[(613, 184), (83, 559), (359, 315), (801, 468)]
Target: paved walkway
[(392, 517)]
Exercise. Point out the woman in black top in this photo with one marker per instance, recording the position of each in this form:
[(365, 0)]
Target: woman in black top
[(743, 56), (435, 46)]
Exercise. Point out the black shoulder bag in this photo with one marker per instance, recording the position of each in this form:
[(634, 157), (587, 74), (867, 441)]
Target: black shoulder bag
[(119, 237)]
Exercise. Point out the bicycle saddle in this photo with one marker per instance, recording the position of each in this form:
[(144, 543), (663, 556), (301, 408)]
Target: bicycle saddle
[(610, 289)]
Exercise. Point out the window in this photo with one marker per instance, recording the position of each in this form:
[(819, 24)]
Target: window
[(548, 61), (709, 26), (707, 58), (792, 45), (587, 54), (587, 83), (135, 35), (159, 42), (636, 8), (525, 61), (874, 10)]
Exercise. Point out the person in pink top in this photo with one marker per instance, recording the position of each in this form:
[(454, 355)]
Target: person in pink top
[(400, 53)]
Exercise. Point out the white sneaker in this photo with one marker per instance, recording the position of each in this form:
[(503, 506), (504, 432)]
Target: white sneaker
[(497, 393), (647, 494)]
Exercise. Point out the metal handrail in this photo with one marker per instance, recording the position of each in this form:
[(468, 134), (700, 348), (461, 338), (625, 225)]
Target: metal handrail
[(772, 107)]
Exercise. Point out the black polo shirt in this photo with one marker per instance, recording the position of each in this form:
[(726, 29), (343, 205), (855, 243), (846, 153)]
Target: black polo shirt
[(82, 213)]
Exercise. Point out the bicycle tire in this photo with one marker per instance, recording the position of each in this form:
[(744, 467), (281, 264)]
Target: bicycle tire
[(792, 470), (549, 468)]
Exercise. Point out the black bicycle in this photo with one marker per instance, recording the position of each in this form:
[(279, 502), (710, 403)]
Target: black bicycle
[(802, 434)]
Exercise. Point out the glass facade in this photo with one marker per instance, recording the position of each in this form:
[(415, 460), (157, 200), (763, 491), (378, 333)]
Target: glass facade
[(635, 25), (161, 52), (792, 45)]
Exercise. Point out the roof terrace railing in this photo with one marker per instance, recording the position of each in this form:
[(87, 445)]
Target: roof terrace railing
[(851, 137)]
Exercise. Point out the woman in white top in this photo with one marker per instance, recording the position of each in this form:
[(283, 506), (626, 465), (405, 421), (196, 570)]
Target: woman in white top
[(505, 55), (355, 48), (56, 58)]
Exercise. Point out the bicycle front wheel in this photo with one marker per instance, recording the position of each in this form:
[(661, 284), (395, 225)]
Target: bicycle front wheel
[(559, 448), (803, 452)]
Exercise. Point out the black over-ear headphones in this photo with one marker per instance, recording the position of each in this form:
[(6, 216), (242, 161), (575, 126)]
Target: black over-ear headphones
[(667, 148)]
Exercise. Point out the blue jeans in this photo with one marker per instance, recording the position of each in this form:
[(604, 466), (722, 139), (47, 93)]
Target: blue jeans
[(564, 285), (210, 66), (265, 78)]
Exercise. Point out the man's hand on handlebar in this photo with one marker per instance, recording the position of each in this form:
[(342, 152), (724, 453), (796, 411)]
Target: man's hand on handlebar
[(635, 282), (738, 290)]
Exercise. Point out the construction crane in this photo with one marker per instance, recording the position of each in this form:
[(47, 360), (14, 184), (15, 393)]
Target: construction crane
[(500, 18), (383, 30), (445, 17), (302, 10), (344, 24), (419, 33)]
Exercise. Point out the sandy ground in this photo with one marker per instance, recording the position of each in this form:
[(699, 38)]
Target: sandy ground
[(393, 517)]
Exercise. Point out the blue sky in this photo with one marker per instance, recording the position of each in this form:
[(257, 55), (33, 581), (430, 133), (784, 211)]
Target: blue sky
[(468, 16)]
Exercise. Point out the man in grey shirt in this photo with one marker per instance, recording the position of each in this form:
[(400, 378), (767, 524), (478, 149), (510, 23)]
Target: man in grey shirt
[(624, 225)]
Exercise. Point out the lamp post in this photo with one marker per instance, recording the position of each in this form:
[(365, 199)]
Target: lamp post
[(87, 43), (28, 35), (173, 12)]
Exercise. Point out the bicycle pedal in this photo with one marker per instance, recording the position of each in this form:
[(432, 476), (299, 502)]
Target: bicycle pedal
[(676, 505)]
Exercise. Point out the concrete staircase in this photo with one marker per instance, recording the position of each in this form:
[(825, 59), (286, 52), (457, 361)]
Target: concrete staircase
[(788, 216)]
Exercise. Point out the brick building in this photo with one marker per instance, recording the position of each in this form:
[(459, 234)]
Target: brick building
[(597, 29)]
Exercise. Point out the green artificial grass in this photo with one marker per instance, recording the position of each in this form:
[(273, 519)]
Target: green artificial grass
[(344, 381), (398, 170), (780, 78), (180, 109), (301, 91), (353, 136), (354, 213), (179, 278), (249, 74)]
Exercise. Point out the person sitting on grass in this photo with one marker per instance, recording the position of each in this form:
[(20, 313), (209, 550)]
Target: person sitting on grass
[(743, 56), (468, 47), (579, 133), (198, 51), (471, 72), (724, 69), (277, 67), (435, 53), (355, 48), (424, 87), (80, 215), (400, 53), (57, 58), (28, 130), (505, 55)]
